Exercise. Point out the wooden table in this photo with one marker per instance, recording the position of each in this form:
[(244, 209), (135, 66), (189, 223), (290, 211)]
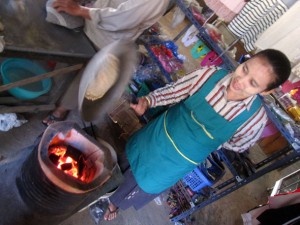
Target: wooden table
[(28, 35)]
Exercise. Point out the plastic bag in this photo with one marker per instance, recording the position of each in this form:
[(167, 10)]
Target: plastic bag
[(178, 17), (10, 120), (190, 36), (98, 209)]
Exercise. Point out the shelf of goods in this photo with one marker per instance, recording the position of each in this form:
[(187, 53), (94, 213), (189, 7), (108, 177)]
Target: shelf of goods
[(238, 178), (289, 128), (155, 59), (194, 200), (211, 194), (229, 63)]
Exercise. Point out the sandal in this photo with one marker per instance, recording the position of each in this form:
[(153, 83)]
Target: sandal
[(52, 119), (110, 214), (59, 114)]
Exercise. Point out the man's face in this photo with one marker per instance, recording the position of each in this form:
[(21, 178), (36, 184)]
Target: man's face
[(250, 78)]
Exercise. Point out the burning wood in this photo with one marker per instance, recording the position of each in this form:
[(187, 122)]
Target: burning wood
[(68, 159)]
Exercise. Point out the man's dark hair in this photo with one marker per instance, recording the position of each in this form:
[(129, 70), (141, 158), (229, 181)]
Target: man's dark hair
[(280, 64)]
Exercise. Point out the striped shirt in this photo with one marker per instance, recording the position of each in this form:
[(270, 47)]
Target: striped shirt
[(255, 17), (175, 92)]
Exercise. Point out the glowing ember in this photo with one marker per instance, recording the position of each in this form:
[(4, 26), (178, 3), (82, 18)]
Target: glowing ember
[(58, 155)]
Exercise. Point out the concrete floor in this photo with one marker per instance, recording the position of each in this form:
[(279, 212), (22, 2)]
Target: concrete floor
[(225, 211)]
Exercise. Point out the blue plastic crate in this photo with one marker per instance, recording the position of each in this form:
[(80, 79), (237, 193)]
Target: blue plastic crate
[(196, 180)]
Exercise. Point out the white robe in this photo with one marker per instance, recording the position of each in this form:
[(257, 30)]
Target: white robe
[(120, 19)]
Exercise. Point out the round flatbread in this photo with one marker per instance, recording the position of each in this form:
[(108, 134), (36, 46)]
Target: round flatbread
[(105, 78)]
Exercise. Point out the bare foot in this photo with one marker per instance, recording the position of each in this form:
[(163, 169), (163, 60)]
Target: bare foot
[(58, 114), (111, 212)]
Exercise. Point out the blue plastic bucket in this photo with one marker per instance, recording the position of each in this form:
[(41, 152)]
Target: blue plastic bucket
[(13, 70)]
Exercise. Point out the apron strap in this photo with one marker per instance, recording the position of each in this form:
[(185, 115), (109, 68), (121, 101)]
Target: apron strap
[(173, 143)]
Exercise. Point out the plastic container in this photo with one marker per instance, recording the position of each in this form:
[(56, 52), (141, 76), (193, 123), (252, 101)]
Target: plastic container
[(196, 180), (13, 70)]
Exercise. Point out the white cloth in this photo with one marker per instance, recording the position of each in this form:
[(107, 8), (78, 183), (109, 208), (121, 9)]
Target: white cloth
[(62, 18), (120, 19), (9, 121), (284, 34)]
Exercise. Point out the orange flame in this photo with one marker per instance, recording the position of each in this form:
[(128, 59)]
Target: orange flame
[(60, 151)]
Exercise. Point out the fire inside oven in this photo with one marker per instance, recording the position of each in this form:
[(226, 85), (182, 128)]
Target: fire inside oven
[(64, 171), (71, 161)]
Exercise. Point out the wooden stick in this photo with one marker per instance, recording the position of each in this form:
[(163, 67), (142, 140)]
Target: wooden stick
[(41, 77), (31, 109), (13, 100)]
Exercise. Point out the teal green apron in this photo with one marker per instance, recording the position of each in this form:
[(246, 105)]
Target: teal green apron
[(172, 145)]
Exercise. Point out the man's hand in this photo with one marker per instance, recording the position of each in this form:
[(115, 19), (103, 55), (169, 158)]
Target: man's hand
[(71, 7), (141, 107)]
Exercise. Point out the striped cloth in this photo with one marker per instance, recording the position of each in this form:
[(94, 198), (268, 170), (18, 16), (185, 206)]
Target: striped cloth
[(245, 136), (254, 18)]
